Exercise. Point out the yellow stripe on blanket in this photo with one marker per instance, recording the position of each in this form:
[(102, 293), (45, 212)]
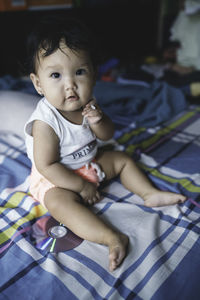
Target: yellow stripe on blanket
[(13, 203), (128, 135), (159, 134), (15, 200), (187, 184)]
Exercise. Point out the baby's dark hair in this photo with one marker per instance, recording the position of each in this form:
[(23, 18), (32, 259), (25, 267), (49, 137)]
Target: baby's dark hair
[(51, 30)]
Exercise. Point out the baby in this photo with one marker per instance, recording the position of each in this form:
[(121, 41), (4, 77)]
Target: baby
[(62, 133)]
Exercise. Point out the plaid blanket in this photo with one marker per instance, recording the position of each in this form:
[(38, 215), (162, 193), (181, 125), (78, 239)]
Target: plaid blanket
[(163, 257)]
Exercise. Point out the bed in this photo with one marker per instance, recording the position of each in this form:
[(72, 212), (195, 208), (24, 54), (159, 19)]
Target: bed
[(160, 130)]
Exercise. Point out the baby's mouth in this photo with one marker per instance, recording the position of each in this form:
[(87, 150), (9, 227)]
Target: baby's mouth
[(72, 98)]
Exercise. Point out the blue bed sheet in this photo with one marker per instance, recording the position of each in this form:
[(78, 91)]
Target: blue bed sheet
[(163, 257)]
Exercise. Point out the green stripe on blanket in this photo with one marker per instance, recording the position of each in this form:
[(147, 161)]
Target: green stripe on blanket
[(128, 135), (155, 138), (187, 184)]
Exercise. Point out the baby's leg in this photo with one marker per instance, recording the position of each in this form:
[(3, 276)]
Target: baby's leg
[(116, 163), (65, 207)]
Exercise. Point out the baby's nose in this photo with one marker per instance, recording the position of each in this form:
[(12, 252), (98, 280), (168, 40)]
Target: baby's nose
[(70, 84)]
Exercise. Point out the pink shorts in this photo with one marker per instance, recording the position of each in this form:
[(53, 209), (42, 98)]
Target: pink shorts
[(40, 185)]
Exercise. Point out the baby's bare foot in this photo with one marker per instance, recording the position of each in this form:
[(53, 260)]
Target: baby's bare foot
[(117, 250), (161, 198)]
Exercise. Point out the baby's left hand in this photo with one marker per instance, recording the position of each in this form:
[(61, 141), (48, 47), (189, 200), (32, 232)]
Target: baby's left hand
[(92, 112)]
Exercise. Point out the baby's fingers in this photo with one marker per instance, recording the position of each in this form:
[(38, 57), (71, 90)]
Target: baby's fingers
[(98, 197), (95, 199), (92, 103)]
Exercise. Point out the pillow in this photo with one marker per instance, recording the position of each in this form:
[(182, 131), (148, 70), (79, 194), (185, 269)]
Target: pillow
[(15, 109)]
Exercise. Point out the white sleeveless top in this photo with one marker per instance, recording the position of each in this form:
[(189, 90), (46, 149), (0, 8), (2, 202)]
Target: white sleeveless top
[(78, 144)]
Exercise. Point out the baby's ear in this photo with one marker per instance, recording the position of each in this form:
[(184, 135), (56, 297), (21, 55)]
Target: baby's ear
[(36, 82)]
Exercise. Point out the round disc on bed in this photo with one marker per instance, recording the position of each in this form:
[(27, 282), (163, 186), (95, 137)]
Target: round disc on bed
[(57, 231), (65, 238)]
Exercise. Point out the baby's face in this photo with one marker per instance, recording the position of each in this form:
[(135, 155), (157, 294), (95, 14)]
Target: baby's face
[(66, 78)]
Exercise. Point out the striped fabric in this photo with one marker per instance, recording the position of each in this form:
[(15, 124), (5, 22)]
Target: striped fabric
[(163, 258)]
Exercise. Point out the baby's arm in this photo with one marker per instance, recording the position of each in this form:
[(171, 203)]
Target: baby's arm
[(46, 157), (99, 122)]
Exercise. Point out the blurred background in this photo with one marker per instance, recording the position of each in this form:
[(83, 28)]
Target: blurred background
[(130, 31)]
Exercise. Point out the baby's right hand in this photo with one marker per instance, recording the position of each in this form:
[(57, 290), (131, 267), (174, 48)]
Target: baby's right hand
[(89, 193)]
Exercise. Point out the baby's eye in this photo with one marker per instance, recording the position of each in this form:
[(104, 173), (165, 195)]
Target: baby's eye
[(80, 72), (55, 75)]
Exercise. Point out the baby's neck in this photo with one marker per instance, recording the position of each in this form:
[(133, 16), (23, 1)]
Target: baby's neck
[(73, 116)]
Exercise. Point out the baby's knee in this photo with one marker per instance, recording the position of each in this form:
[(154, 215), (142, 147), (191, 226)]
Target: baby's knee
[(50, 198), (124, 158), (55, 196), (121, 161)]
